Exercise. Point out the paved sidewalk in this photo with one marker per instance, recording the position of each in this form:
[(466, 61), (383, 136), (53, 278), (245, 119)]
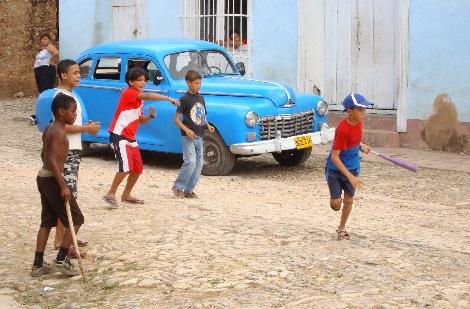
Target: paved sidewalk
[(422, 158)]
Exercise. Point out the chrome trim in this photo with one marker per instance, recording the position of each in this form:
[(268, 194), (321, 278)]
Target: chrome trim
[(279, 143), (156, 91), (235, 94), (102, 87), (289, 99), (286, 125)]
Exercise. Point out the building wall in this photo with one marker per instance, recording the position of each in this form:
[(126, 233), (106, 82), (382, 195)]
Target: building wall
[(163, 18), (23, 22), (439, 62), (274, 43), (83, 24)]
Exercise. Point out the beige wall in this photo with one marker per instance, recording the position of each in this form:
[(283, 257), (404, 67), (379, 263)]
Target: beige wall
[(22, 23)]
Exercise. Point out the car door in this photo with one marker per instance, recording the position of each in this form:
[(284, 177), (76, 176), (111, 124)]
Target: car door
[(100, 92), (156, 134)]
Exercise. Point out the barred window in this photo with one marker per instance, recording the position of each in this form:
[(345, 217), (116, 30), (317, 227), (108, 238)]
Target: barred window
[(224, 22)]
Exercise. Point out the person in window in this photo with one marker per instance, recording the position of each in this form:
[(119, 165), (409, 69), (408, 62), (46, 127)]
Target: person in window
[(235, 42), (44, 65), (193, 64)]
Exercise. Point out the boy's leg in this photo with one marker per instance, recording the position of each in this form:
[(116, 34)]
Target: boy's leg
[(135, 167), (189, 164), (131, 181), (67, 240), (41, 239), (194, 178), (59, 234), (334, 186), (62, 262), (118, 178), (40, 267), (347, 207)]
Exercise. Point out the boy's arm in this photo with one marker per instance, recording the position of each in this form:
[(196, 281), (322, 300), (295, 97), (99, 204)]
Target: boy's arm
[(157, 97), (340, 166), (55, 148), (90, 127), (188, 131)]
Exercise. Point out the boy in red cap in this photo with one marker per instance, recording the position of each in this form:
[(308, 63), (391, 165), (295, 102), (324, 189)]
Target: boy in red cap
[(343, 163)]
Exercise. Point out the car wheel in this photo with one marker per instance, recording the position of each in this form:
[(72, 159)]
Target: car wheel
[(86, 146), (292, 157), (218, 160)]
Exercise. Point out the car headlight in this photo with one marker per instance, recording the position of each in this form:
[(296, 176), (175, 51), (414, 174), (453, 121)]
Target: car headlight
[(322, 108), (251, 119)]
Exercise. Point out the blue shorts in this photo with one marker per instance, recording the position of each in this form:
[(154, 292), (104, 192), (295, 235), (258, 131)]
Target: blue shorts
[(337, 183)]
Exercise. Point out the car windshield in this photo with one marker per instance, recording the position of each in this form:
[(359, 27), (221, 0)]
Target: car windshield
[(207, 62)]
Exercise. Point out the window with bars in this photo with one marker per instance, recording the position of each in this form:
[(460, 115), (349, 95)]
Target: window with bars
[(225, 22)]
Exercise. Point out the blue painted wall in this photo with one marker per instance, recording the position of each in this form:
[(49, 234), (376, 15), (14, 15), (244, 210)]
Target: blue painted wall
[(163, 18), (83, 24), (439, 56), (274, 42), (274, 23)]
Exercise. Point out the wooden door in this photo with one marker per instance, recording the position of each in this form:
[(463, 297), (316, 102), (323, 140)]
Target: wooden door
[(128, 22), (350, 45)]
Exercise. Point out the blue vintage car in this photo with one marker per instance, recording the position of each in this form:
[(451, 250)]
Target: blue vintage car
[(250, 116)]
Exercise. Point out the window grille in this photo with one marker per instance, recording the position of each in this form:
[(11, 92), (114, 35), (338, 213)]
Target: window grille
[(220, 22)]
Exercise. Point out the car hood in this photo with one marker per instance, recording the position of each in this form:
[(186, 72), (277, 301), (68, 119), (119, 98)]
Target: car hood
[(279, 94)]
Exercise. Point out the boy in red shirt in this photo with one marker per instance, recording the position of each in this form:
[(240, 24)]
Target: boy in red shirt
[(128, 116), (343, 163)]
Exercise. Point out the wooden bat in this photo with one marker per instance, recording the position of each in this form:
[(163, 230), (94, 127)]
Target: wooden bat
[(74, 239), (408, 165)]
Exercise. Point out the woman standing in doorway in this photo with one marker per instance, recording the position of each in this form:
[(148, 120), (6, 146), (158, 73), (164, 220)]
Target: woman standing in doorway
[(44, 65)]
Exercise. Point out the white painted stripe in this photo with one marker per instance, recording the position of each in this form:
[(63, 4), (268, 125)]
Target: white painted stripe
[(123, 151), (125, 118)]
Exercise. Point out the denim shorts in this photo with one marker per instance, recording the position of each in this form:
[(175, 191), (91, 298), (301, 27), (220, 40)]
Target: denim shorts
[(337, 183)]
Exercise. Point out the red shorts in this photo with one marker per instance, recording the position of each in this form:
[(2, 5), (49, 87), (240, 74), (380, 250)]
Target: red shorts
[(127, 154)]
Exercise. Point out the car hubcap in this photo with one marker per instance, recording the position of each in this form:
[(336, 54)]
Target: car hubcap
[(211, 154)]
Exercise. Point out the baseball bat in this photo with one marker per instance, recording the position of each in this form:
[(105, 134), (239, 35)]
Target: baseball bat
[(407, 165), (74, 239)]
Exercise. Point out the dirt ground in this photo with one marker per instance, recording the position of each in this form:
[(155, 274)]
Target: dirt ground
[(261, 237)]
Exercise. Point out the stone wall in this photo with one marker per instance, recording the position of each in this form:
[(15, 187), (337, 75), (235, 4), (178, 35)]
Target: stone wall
[(22, 22)]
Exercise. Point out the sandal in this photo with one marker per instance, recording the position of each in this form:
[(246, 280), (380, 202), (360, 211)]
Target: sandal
[(343, 235), (111, 201), (132, 200)]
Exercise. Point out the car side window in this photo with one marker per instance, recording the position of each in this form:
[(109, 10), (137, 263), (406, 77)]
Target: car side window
[(85, 67), (150, 67), (108, 68)]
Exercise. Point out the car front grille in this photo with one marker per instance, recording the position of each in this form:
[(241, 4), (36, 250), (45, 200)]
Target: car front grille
[(287, 125)]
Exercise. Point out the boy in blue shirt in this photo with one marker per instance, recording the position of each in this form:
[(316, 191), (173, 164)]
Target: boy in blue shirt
[(193, 127), (343, 163)]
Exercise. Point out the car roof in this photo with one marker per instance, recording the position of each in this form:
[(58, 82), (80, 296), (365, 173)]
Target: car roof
[(159, 47)]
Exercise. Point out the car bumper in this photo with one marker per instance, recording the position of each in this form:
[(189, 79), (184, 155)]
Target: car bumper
[(279, 144)]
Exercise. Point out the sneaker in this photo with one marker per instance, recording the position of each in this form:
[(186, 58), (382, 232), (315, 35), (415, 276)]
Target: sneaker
[(66, 267), (177, 192), (37, 271), (190, 195)]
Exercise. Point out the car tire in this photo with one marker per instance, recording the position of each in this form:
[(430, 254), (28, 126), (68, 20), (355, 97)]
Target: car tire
[(218, 160), (292, 157), (86, 146)]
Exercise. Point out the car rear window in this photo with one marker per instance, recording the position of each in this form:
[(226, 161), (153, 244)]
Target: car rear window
[(108, 68), (85, 67)]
